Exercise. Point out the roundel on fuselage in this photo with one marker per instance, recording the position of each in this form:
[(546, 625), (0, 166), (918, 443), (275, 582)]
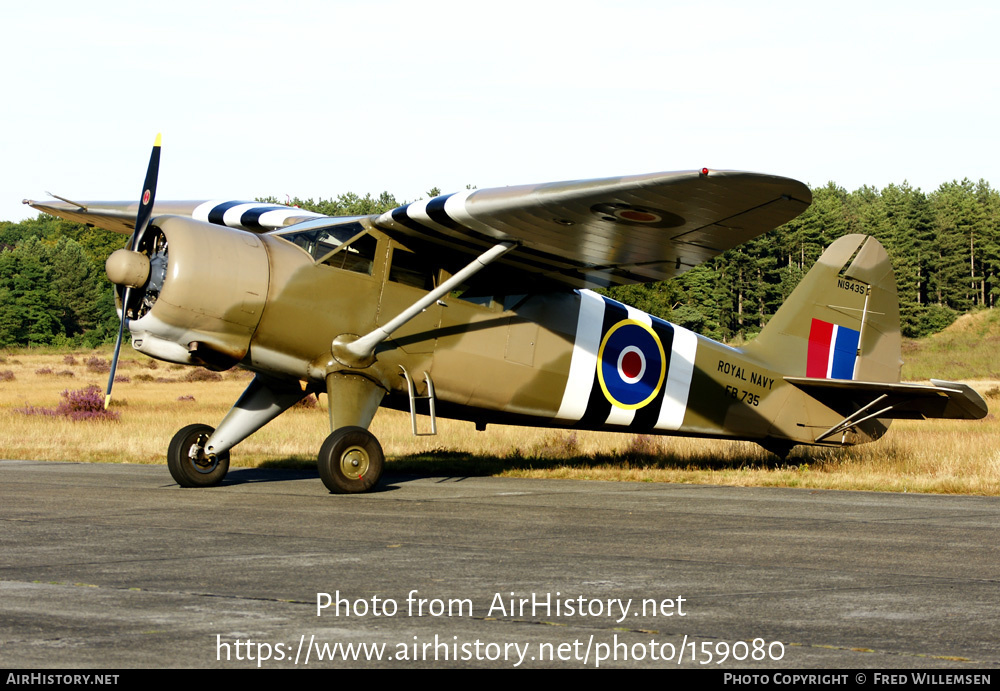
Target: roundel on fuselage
[(631, 364)]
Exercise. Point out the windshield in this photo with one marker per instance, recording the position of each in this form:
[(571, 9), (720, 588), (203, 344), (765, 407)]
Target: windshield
[(322, 236), (342, 244)]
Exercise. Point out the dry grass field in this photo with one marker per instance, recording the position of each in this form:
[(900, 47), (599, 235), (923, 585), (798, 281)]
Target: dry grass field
[(154, 399)]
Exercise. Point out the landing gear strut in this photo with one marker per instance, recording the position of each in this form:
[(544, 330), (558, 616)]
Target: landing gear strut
[(351, 461), (188, 463)]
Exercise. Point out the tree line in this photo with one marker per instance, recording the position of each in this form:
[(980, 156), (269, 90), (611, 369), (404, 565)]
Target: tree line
[(944, 245)]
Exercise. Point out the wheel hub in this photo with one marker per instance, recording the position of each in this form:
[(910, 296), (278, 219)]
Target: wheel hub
[(201, 461), (354, 462)]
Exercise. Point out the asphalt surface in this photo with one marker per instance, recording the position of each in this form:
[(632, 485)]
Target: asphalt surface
[(115, 566)]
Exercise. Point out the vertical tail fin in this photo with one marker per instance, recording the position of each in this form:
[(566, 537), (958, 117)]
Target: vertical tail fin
[(841, 322)]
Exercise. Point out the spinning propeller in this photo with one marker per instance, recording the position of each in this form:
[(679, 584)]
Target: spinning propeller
[(130, 268)]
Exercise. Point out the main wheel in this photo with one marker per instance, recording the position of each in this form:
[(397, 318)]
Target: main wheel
[(351, 461), (189, 465)]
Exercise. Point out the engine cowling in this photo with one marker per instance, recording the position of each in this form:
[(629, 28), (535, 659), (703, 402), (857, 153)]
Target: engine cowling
[(204, 294)]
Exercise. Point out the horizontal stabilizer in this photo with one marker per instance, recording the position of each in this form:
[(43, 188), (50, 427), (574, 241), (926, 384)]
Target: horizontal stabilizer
[(860, 401)]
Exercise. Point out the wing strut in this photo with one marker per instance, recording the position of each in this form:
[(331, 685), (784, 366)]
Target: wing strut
[(360, 352)]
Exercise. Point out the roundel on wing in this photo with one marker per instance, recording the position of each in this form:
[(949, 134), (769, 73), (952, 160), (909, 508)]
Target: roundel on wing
[(626, 214), (631, 364)]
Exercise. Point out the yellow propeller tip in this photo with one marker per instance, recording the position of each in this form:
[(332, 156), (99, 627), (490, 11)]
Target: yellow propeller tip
[(107, 401), (157, 142)]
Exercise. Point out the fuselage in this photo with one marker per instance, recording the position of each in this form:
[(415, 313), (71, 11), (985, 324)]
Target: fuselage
[(576, 359)]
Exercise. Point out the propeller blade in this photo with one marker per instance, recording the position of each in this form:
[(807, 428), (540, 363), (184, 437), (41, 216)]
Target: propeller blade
[(118, 348), (148, 195), (142, 217)]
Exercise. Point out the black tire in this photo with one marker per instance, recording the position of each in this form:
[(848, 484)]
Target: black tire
[(351, 461), (188, 463)]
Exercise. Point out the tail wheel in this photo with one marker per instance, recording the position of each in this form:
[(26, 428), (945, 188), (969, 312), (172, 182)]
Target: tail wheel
[(189, 465), (351, 461)]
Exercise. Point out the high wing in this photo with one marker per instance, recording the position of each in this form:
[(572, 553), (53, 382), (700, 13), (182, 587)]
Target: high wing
[(613, 231), (120, 216), (581, 234)]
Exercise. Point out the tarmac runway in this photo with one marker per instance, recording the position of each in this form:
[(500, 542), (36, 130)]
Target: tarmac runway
[(115, 566)]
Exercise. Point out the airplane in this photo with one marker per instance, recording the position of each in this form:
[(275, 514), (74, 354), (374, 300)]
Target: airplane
[(480, 306)]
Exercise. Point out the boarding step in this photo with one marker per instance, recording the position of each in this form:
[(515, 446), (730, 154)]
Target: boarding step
[(429, 397)]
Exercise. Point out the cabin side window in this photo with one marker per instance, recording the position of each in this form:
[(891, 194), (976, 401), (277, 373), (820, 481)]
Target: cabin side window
[(495, 302), (412, 269)]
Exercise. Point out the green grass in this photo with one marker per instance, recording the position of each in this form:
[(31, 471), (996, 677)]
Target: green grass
[(969, 349)]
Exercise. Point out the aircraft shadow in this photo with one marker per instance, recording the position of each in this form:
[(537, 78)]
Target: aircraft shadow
[(278, 471), (454, 466), (246, 476)]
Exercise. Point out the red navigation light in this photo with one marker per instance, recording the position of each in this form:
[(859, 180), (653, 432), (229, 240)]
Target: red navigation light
[(704, 171)]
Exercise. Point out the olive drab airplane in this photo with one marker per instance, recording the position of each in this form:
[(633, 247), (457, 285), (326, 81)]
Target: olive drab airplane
[(477, 306)]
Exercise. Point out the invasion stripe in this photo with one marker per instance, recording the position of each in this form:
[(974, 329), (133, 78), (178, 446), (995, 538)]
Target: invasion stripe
[(251, 215), (437, 213), (234, 214), (218, 214), (598, 406), (443, 214), (677, 388), (201, 212), (584, 361), (426, 227), (456, 215), (417, 211), (583, 398), (250, 219)]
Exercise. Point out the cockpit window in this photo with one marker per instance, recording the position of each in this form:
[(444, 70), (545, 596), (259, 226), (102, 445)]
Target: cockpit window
[(319, 242), (358, 255), (344, 245)]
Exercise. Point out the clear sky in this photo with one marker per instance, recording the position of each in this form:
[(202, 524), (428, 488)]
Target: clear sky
[(319, 98)]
